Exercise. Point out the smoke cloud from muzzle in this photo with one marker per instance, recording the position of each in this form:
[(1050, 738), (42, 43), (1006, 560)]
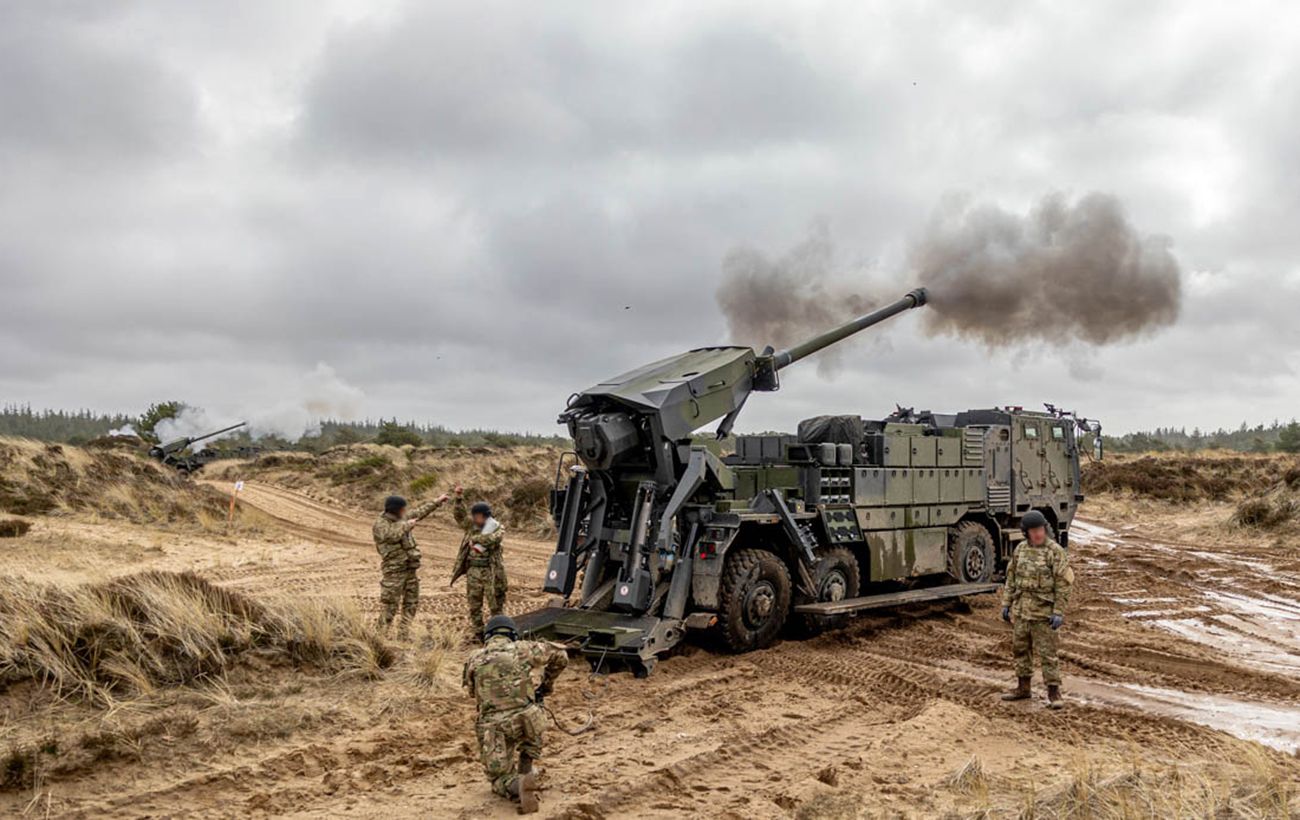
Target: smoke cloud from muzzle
[(1060, 274)]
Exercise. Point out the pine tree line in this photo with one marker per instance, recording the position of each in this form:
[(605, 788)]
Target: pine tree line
[(80, 426)]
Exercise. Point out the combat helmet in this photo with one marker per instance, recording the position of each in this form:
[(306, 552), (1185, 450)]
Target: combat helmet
[(1033, 519), (501, 623)]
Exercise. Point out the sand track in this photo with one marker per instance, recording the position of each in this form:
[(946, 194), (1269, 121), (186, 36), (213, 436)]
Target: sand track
[(884, 709)]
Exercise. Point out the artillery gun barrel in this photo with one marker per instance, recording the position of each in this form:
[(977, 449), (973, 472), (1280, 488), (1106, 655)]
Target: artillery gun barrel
[(219, 432), (791, 355)]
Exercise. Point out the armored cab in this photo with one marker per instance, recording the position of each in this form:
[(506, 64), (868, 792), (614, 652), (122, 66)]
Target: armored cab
[(657, 535)]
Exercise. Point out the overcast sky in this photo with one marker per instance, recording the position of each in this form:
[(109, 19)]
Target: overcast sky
[(462, 213)]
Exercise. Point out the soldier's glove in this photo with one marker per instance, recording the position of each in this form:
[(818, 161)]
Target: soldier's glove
[(539, 696), (1055, 621), (1006, 614)]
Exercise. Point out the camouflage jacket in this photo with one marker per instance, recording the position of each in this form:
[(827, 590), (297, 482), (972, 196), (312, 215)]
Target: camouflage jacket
[(500, 675), (1038, 581), (477, 549), (394, 540)]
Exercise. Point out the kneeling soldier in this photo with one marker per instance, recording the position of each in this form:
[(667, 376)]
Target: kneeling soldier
[(510, 717)]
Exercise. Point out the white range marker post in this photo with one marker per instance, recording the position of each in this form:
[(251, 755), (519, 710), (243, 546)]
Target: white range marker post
[(234, 493)]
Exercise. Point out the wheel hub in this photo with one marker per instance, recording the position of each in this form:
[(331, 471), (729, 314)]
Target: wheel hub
[(759, 603), (974, 563), (835, 587)]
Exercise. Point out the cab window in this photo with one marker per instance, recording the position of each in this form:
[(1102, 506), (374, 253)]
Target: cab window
[(1031, 431), (1058, 432)]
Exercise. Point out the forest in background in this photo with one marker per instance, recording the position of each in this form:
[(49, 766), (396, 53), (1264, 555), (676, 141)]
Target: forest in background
[(80, 426)]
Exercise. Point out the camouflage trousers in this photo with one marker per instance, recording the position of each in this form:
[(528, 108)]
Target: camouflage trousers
[(1030, 636), (485, 584), (398, 589), (501, 740)]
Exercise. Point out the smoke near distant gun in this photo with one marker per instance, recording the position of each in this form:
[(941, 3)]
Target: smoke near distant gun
[(1061, 274), (319, 394)]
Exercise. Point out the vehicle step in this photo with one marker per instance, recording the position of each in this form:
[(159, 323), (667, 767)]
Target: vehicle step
[(889, 599)]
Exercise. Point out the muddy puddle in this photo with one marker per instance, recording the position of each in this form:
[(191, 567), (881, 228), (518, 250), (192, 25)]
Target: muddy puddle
[(1222, 608), (1273, 724)]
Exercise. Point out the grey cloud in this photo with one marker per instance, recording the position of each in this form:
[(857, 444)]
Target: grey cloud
[(69, 91), (452, 204)]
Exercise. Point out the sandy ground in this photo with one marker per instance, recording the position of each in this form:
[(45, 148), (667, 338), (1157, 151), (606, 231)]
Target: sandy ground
[(1179, 655)]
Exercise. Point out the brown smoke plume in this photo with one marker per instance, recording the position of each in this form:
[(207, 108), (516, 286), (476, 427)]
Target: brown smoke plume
[(1059, 274), (782, 301)]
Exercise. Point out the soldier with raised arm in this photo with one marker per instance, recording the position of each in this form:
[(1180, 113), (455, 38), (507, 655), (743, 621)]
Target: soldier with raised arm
[(1034, 599), (399, 560), (480, 560), (510, 718)]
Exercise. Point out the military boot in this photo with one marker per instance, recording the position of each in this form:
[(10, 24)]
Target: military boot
[(1021, 692), (1054, 700), (524, 788)]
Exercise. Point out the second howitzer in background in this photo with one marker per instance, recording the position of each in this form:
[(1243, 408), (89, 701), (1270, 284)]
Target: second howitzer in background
[(172, 453)]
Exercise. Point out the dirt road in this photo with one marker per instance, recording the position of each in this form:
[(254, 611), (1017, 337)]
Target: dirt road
[(1172, 652)]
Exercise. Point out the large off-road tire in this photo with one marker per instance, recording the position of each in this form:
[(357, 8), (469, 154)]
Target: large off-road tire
[(754, 600), (836, 576), (971, 554)]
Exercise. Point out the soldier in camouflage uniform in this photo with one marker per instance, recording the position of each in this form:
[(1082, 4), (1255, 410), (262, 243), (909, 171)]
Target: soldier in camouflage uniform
[(1034, 598), (480, 561), (510, 717), (399, 584)]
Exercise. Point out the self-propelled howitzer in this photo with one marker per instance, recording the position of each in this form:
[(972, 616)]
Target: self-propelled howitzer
[(658, 535), (173, 453)]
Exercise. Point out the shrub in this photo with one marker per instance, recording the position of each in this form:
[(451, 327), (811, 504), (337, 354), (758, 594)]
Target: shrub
[(529, 493), (1264, 513), (391, 433), (362, 468), (423, 484)]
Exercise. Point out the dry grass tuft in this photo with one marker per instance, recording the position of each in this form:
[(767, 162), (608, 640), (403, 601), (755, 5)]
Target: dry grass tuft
[(134, 634), (431, 664), (969, 779), (1249, 784), (1266, 513)]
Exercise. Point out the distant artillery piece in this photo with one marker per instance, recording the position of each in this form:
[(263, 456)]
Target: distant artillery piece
[(173, 453)]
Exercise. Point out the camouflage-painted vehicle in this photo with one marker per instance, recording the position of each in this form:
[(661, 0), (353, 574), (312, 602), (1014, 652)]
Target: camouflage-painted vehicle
[(174, 453), (657, 535)]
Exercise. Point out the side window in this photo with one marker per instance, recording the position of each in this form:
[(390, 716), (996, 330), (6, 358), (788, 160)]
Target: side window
[(1030, 431), (1058, 433)]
